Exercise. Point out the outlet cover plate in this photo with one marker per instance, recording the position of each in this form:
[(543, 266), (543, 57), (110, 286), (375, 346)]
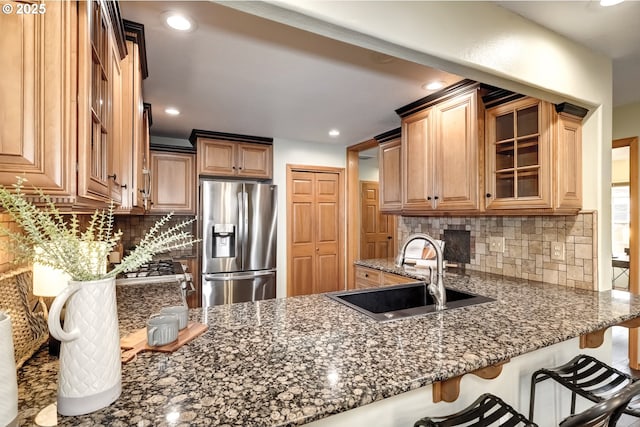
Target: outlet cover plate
[(496, 244), (557, 251)]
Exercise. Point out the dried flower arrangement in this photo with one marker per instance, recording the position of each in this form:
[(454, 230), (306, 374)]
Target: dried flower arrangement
[(55, 240)]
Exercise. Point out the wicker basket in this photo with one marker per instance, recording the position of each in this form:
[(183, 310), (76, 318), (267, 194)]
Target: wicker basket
[(29, 325)]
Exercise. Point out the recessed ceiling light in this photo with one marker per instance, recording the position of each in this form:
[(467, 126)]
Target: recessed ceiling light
[(334, 132), (433, 85), (179, 22), (172, 111), (606, 3)]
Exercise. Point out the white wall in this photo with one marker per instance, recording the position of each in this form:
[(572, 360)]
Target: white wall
[(368, 169), (626, 121), (484, 42), (296, 153)]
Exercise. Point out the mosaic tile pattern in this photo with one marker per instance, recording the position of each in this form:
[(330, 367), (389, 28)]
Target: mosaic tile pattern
[(287, 362), (527, 253), (134, 227)]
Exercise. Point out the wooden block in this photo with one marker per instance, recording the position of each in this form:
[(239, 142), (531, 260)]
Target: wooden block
[(136, 342)]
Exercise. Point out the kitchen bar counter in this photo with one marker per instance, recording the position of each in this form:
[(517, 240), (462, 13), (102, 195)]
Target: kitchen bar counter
[(292, 361)]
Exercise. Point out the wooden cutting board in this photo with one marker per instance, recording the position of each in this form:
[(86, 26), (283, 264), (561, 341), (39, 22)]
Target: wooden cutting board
[(136, 342)]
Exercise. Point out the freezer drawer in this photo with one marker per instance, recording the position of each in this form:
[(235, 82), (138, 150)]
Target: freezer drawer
[(229, 288)]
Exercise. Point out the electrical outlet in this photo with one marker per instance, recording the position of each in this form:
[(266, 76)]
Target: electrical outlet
[(496, 244), (557, 251)]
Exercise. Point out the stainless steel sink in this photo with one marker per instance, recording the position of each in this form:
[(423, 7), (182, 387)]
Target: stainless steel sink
[(402, 301)]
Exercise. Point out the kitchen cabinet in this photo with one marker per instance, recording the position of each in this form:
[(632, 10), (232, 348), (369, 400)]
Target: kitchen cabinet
[(57, 94), (38, 133), (173, 183), (370, 278), (230, 155), (533, 158), (440, 155), (390, 171), (135, 178), (96, 81)]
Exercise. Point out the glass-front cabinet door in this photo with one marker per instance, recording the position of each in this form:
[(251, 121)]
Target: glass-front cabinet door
[(518, 155)]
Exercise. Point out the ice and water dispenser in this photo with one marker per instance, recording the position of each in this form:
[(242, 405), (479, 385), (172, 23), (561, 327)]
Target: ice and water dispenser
[(224, 241)]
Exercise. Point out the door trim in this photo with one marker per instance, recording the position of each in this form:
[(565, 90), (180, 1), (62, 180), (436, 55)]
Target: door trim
[(634, 242), (341, 218), (353, 207)]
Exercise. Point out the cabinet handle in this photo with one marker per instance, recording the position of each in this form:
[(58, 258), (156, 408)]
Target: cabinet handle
[(124, 186), (389, 237), (113, 177), (488, 194), (435, 197)]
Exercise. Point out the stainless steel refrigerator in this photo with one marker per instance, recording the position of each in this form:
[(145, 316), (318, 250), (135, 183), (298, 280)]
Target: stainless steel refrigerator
[(238, 231)]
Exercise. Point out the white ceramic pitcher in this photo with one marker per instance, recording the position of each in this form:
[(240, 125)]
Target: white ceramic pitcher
[(90, 375), (8, 379)]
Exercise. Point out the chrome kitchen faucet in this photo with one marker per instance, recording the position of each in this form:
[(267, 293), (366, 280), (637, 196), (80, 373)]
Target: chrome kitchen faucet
[(435, 289)]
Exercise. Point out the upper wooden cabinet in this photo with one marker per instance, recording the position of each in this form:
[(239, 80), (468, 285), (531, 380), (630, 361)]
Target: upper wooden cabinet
[(59, 81), (97, 80), (390, 171), (230, 155), (38, 131), (533, 157), (135, 178), (440, 154), (173, 186)]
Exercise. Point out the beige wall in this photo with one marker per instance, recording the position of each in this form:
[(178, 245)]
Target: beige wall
[(626, 121)]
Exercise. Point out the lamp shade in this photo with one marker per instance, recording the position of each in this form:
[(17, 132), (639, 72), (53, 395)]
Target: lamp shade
[(47, 281)]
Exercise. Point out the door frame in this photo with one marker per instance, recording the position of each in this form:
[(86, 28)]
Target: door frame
[(394, 229), (634, 241), (341, 216), (353, 207)]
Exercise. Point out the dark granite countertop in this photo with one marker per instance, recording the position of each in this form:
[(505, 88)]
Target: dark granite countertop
[(290, 361)]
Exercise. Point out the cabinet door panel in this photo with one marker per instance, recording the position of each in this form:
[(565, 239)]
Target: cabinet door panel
[(456, 154), (216, 157), (173, 183), (568, 175), (390, 176), (417, 177), (254, 160), (38, 133)]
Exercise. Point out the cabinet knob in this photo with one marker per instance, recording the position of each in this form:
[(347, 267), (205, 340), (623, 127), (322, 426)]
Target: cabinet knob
[(124, 186), (239, 167), (389, 237), (488, 194), (435, 197), (366, 274), (428, 197), (233, 167), (113, 177)]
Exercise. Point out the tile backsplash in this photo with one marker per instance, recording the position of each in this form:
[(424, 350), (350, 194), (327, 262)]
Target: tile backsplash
[(134, 227), (527, 248)]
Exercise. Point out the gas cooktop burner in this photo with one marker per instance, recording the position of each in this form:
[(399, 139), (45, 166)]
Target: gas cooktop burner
[(156, 268)]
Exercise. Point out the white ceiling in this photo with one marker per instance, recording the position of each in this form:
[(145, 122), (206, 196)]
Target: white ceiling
[(239, 73), (612, 31)]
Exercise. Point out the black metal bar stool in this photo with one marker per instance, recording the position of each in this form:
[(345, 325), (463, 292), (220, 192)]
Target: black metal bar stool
[(606, 413), (486, 411), (588, 377)]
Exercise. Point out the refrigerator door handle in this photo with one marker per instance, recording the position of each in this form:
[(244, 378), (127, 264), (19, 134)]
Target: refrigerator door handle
[(245, 226), (240, 242), (242, 277)]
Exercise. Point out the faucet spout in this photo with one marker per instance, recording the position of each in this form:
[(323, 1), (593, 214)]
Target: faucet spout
[(436, 289)]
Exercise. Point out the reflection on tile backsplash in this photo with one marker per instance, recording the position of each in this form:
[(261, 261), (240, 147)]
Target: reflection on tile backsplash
[(527, 251), (134, 227)]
